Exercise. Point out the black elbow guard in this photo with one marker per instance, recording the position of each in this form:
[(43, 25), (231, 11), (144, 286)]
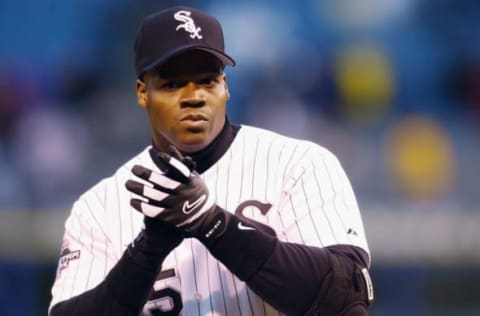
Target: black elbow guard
[(347, 290)]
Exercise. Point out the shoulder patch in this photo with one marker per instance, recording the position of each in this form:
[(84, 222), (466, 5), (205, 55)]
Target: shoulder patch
[(66, 255)]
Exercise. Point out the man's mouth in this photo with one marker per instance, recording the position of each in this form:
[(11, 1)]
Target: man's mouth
[(194, 117)]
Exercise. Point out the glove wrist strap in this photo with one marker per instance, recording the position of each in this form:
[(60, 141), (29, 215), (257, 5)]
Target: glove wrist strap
[(242, 251)]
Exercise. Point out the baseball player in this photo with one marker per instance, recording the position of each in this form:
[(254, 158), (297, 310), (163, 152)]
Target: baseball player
[(214, 218)]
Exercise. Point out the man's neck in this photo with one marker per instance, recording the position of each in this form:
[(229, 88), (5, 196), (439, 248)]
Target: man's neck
[(208, 156)]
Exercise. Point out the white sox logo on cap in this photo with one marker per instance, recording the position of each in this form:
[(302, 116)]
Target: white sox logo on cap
[(188, 24), (170, 32)]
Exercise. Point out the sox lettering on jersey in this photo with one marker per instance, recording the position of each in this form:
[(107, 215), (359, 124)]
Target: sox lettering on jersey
[(262, 207)]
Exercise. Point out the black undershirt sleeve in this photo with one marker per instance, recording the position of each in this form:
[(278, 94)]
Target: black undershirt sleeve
[(291, 277), (123, 292), (128, 285)]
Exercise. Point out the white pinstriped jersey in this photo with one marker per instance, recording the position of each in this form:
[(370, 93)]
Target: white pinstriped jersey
[(312, 203)]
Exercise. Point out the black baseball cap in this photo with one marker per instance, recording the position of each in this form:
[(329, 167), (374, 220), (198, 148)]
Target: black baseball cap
[(173, 31)]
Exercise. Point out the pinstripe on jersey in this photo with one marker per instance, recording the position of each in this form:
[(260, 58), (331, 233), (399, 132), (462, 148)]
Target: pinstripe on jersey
[(311, 203)]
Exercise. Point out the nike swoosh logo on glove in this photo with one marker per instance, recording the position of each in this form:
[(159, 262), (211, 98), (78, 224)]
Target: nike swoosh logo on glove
[(188, 208), (243, 227)]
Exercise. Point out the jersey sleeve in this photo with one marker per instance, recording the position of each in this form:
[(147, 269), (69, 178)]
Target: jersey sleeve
[(318, 205), (85, 257)]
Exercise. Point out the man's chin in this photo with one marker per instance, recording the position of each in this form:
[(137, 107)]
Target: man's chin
[(192, 145)]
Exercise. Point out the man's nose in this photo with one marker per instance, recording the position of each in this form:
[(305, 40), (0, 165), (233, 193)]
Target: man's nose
[(192, 96)]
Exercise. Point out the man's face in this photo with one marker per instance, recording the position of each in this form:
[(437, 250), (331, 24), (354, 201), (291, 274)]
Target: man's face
[(186, 101)]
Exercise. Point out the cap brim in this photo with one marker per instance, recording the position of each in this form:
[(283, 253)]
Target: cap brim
[(224, 58)]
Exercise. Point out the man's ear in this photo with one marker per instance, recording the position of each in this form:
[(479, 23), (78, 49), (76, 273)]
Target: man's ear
[(142, 98), (226, 86)]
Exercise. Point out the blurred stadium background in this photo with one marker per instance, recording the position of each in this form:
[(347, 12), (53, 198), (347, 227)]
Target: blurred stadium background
[(391, 86)]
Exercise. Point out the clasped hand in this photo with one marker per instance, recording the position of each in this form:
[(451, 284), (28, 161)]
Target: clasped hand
[(178, 196)]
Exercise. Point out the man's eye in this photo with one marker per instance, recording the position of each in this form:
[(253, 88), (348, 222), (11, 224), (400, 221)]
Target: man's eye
[(208, 81), (171, 85)]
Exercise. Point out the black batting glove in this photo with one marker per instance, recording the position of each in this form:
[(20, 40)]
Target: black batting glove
[(178, 197), (153, 244), (160, 238)]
